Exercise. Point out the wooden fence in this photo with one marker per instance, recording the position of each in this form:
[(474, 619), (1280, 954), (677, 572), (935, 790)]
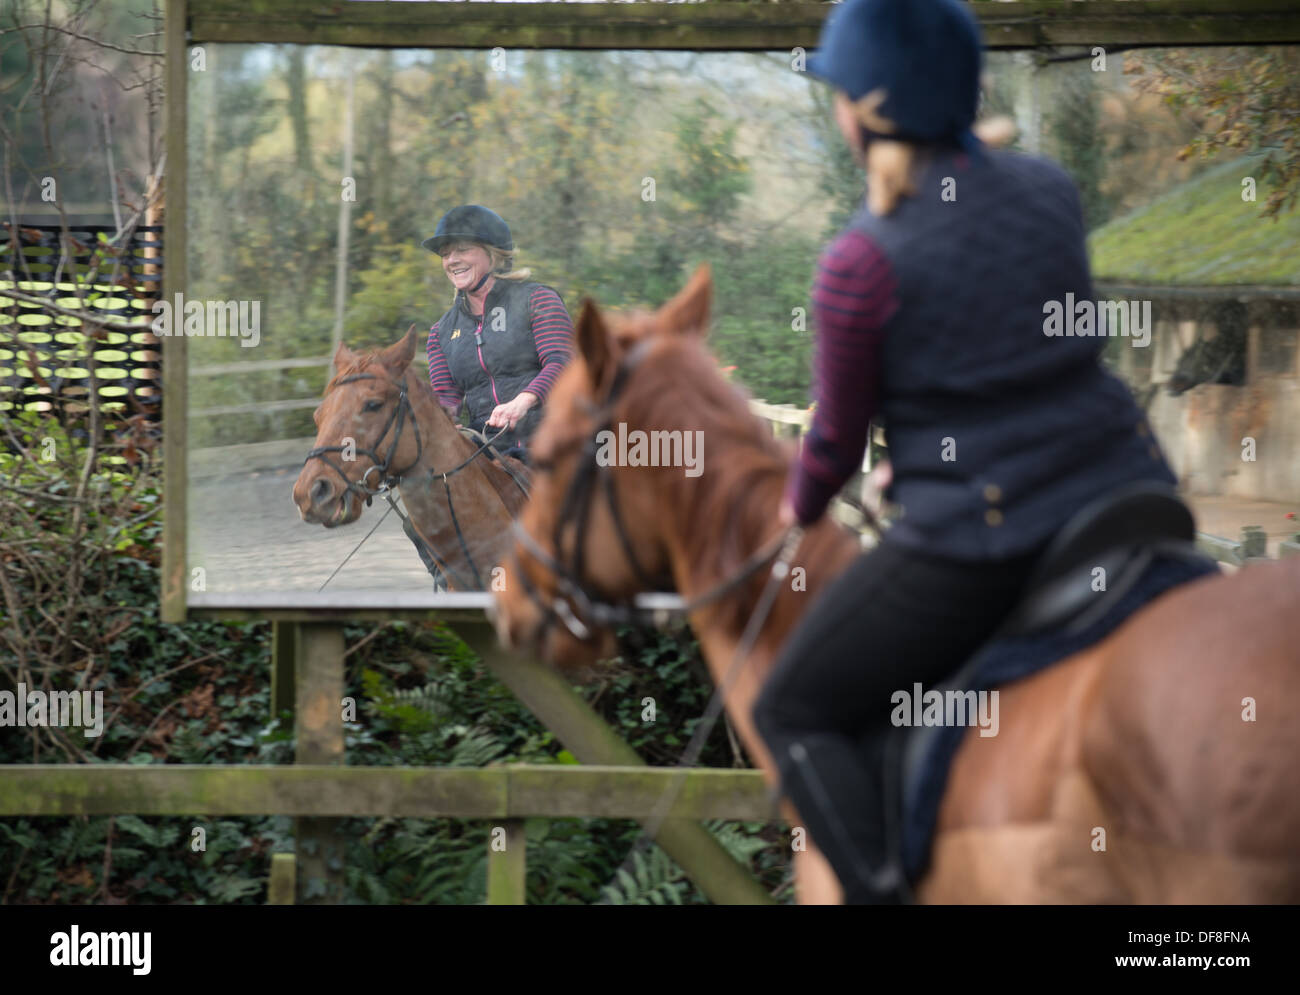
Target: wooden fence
[(307, 679)]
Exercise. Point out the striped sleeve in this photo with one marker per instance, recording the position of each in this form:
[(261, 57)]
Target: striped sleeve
[(449, 395), (553, 333), (854, 295)]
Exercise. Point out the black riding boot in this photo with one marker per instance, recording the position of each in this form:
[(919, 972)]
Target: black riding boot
[(846, 810)]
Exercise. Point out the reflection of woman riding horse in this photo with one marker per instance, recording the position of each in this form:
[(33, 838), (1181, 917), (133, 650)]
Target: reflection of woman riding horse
[(380, 427), (500, 346)]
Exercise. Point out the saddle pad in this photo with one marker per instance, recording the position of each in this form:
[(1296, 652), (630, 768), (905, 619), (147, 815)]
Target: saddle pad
[(927, 752)]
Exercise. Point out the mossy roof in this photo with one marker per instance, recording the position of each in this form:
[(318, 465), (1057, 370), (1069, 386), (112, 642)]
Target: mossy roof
[(1201, 233)]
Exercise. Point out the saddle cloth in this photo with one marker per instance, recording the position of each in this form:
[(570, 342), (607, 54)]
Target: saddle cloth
[(919, 757)]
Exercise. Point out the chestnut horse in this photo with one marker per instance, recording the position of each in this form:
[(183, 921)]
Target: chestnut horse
[(1157, 766), (402, 436)]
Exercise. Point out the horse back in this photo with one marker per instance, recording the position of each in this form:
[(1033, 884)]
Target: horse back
[(1156, 766)]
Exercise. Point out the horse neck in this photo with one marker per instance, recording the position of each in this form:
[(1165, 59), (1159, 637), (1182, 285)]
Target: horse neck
[(710, 535), (454, 447), (426, 498), (444, 445), (738, 520)]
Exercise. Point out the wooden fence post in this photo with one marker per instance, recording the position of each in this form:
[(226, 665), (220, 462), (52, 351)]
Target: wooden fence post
[(589, 738), (1289, 547), (318, 737), (1254, 543), (284, 870), (506, 864), (284, 637)]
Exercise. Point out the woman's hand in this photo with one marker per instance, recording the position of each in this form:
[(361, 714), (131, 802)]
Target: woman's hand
[(881, 476), (786, 515), (874, 486), (507, 415)]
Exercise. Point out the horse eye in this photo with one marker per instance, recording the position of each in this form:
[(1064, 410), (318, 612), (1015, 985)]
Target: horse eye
[(372, 406)]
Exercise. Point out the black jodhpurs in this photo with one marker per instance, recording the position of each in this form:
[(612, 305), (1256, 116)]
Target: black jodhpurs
[(894, 618)]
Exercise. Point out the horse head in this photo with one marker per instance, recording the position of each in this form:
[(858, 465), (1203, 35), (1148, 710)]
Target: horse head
[(366, 433), (1217, 360)]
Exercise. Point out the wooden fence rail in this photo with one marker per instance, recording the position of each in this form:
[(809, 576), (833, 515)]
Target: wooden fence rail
[(319, 794), (510, 791), (1251, 548)]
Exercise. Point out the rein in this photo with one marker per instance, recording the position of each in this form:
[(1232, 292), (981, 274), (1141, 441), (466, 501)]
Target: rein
[(389, 479)]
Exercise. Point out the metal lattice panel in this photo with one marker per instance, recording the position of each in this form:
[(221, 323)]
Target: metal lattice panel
[(50, 360)]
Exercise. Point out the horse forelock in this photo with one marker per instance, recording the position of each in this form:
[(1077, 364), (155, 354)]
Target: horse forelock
[(362, 364)]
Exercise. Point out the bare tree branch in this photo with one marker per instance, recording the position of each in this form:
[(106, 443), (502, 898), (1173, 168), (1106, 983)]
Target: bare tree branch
[(98, 42)]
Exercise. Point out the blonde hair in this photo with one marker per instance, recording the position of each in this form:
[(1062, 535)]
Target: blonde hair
[(893, 166), (500, 259)]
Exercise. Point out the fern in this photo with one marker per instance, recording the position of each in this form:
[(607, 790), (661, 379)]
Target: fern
[(657, 881), (477, 748), (736, 841), (436, 698)]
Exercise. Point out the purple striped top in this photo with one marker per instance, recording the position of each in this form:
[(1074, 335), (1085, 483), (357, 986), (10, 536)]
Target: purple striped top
[(552, 332), (854, 295)]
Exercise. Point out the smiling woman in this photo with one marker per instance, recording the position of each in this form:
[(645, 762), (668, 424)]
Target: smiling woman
[(522, 334)]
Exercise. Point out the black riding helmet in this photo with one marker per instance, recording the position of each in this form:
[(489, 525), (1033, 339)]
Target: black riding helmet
[(471, 223)]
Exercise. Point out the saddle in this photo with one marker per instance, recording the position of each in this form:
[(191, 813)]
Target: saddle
[(1112, 557)]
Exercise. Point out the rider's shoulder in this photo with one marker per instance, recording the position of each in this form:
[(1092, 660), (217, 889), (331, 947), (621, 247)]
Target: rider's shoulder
[(441, 322), (538, 293), (1026, 166), (530, 287)]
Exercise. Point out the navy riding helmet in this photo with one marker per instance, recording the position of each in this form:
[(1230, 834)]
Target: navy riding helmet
[(925, 54), (471, 223)]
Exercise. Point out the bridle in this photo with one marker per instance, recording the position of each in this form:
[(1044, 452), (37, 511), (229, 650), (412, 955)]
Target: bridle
[(574, 604), (390, 478)]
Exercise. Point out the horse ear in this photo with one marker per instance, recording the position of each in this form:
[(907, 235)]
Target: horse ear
[(688, 313), (343, 358), (398, 356), (595, 344)]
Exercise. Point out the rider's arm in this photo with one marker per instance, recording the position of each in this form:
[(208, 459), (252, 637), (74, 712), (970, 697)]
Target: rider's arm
[(553, 333), (449, 395), (855, 293)]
